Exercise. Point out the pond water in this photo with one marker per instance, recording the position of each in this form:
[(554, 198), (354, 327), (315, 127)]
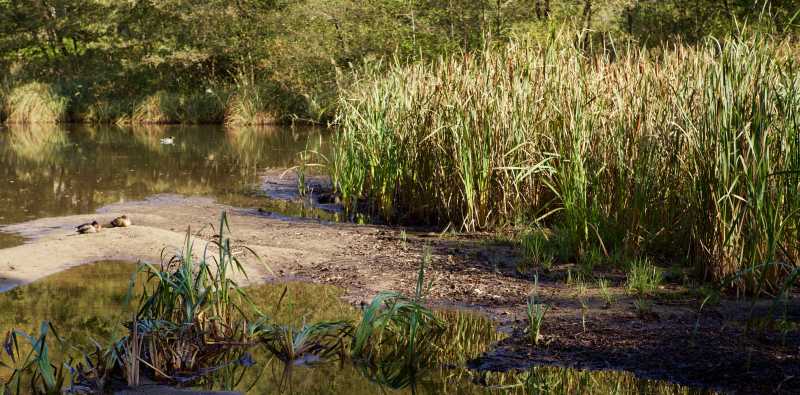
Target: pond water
[(89, 303), (52, 170)]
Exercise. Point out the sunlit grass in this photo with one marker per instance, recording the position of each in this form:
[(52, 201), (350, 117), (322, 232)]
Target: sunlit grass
[(690, 152), (35, 103), (643, 278)]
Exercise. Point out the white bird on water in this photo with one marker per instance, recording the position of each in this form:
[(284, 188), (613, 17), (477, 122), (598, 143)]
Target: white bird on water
[(168, 141)]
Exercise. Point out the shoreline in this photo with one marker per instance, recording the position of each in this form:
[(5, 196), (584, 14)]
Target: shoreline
[(465, 272)]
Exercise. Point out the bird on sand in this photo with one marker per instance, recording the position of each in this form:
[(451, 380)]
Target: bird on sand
[(92, 227), (121, 222)]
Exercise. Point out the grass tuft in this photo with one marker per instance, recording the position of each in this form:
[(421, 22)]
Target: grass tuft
[(35, 103), (643, 278)]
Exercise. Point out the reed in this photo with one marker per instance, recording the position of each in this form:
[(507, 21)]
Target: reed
[(688, 152), (35, 103), (248, 104), (192, 316)]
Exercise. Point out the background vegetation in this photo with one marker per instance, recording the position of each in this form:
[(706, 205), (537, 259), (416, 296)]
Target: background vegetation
[(258, 61)]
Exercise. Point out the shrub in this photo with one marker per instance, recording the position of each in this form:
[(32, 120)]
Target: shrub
[(35, 103)]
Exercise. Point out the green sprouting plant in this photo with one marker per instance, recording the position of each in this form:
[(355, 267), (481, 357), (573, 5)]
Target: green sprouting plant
[(605, 292), (27, 358), (643, 277), (580, 293), (536, 313), (696, 328), (189, 306), (537, 249), (580, 286), (309, 345), (403, 238), (397, 336)]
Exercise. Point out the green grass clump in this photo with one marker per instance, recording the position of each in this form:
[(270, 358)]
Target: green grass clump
[(690, 151), (35, 103), (248, 106), (172, 108), (605, 292), (159, 108), (643, 278), (536, 313), (537, 248)]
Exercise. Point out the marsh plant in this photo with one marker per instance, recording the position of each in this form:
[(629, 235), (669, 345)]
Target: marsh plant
[(192, 315), (311, 344), (536, 313), (690, 150), (605, 292), (27, 357), (643, 307), (643, 278), (396, 340), (538, 248), (35, 102)]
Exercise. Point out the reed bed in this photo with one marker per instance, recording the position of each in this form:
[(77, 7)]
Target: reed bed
[(688, 152), (174, 108), (248, 105), (35, 103)]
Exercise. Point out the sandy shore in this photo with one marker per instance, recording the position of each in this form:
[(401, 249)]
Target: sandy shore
[(159, 229)]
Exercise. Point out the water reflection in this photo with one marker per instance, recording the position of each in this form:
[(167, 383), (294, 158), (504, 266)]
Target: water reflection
[(50, 170), (88, 302)]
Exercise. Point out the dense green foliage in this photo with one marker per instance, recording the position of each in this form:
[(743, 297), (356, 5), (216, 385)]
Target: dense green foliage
[(169, 61), (691, 153)]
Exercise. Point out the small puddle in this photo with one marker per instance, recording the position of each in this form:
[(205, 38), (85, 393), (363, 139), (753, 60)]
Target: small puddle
[(88, 303)]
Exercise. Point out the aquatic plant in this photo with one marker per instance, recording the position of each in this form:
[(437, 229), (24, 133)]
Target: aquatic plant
[(536, 313), (35, 102), (28, 359), (643, 278), (159, 108), (690, 151), (395, 342), (247, 105), (538, 248), (191, 315), (311, 344), (643, 307)]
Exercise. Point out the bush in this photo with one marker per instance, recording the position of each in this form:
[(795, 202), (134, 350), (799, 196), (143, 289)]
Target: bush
[(35, 103)]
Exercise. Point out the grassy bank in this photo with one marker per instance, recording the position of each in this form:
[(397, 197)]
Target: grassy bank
[(690, 153), (37, 103)]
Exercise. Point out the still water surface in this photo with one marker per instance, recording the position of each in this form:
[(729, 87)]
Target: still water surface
[(52, 170)]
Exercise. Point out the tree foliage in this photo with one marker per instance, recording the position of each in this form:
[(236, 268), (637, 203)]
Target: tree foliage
[(108, 48)]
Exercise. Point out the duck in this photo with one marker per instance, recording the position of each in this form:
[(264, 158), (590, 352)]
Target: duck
[(168, 140), (92, 227), (121, 222)]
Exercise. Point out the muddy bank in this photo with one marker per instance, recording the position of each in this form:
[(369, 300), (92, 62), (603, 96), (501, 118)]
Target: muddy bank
[(708, 349)]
